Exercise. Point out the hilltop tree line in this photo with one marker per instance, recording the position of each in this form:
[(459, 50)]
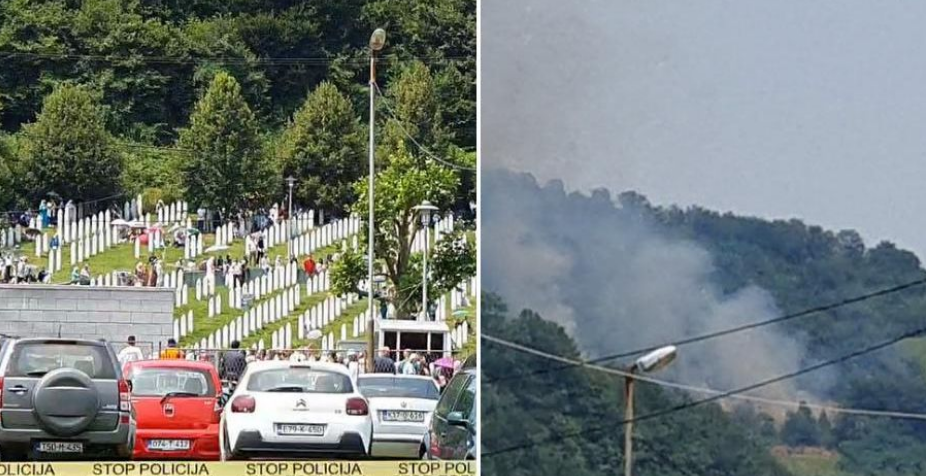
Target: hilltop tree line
[(218, 101), (802, 266)]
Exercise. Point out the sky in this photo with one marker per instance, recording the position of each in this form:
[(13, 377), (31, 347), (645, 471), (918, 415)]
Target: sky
[(778, 109)]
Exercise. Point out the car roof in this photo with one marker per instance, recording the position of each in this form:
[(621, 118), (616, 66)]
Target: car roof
[(285, 364), (54, 340), (394, 376), (174, 363)]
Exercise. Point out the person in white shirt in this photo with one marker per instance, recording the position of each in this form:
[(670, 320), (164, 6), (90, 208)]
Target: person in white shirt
[(408, 368), (130, 353)]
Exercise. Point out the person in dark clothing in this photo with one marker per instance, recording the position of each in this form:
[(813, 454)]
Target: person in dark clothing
[(233, 363), (383, 364)]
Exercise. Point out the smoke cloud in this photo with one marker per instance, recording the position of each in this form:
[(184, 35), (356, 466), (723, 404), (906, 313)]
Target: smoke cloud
[(615, 283)]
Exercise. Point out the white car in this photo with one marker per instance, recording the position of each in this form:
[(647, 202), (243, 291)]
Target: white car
[(401, 406), (283, 408)]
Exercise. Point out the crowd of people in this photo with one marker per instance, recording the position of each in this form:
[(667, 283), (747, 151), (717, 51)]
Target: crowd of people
[(232, 363)]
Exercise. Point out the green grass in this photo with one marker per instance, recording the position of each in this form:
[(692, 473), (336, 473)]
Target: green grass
[(203, 325), (346, 317), (812, 465)]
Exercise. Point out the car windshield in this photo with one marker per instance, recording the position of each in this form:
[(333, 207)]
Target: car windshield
[(398, 387), (38, 358), (162, 382), (299, 380)]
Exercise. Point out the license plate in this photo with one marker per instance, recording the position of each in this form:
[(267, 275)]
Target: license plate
[(300, 429), (403, 415), (168, 445), (60, 447)]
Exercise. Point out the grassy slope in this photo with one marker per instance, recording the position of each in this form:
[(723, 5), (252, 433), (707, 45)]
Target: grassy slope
[(812, 465)]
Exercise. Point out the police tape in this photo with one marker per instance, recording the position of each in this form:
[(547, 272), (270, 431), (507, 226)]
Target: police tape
[(236, 468)]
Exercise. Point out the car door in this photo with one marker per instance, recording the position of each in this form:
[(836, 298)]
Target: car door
[(459, 437), (439, 426)]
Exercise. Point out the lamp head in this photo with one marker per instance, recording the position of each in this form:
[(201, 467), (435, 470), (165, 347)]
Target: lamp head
[(378, 39)]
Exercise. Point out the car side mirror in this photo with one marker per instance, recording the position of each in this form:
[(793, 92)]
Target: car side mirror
[(129, 384), (457, 419)]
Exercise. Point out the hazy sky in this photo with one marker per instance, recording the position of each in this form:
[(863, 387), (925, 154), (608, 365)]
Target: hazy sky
[(776, 108)]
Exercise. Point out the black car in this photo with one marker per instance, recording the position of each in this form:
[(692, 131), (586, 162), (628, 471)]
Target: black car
[(452, 432)]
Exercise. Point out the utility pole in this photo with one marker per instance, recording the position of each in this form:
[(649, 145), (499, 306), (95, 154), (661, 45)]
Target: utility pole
[(377, 40)]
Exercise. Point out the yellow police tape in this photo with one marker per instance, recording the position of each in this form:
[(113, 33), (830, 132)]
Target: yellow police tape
[(263, 468)]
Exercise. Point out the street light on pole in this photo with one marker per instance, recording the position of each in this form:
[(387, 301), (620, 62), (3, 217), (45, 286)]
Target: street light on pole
[(425, 210), (377, 41), (289, 211), (651, 362)]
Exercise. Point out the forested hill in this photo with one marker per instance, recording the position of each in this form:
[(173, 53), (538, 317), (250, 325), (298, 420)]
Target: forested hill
[(100, 98), (799, 265)]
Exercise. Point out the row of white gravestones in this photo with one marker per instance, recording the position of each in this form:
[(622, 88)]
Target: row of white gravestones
[(89, 246), (182, 296), (459, 336), (204, 288), (72, 229), (193, 246), (176, 212), (442, 228), (10, 237), (320, 282), (256, 318), (54, 260), (322, 314), (132, 210), (282, 338), (215, 305), (173, 279), (311, 239), (225, 234), (183, 325), (98, 227)]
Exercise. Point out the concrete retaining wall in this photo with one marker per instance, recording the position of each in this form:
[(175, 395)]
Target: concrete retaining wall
[(83, 312)]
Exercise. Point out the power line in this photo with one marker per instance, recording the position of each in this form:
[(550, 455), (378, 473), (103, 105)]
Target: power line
[(731, 330), (678, 386), (405, 132), (720, 396)]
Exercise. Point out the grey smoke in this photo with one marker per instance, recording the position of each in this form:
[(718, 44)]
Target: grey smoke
[(615, 283)]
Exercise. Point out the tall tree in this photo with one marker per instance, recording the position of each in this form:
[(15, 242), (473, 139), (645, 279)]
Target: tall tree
[(323, 147), (225, 170), (401, 186), (68, 149)]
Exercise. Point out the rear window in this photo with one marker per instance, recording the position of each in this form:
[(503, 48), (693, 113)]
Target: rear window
[(37, 359), (372, 387), (299, 380), (159, 382)]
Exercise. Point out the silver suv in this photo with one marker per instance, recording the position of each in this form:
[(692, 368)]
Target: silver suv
[(63, 399)]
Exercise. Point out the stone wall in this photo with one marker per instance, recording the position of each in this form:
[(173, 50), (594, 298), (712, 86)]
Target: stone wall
[(110, 313)]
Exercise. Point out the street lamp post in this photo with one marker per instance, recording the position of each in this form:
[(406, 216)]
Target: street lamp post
[(377, 40), (425, 210), (650, 362), (289, 211)]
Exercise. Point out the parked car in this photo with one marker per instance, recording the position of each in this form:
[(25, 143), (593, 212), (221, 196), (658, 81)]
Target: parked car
[(288, 408), (177, 408), (452, 431), (401, 406), (63, 398)]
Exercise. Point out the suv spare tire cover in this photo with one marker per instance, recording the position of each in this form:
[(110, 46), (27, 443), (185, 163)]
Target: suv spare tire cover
[(65, 401)]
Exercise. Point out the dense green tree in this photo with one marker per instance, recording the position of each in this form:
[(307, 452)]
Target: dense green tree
[(540, 407), (225, 169), (401, 186), (68, 150), (323, 148), (800, 428)]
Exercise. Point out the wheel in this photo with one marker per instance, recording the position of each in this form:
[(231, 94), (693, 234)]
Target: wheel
[(13, 455), (225, 451)]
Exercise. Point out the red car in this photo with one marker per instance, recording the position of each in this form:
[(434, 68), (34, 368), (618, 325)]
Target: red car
[(177, 409)]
